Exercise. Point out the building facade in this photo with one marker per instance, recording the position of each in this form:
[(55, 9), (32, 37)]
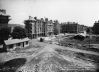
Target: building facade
[(30, 27), (16, 43), (41, 27), (4, 18), (95, 27), (49, 27), (56, 27), (72, 27), (38, 27)]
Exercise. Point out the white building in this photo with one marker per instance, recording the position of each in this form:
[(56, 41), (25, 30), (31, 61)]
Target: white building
[(16, 43)]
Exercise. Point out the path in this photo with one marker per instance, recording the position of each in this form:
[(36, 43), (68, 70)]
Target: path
[(48, 59)]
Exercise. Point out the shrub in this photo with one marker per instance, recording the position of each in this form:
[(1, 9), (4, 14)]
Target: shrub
[(79, 37)]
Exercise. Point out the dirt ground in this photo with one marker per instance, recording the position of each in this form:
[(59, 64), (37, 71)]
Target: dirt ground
[(45, 57), (87, 44)]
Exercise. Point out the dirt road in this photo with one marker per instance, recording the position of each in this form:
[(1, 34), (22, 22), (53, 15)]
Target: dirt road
[(47, 59)]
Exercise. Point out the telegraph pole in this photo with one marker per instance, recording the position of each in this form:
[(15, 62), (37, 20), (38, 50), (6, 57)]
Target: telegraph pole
[(89, 36)]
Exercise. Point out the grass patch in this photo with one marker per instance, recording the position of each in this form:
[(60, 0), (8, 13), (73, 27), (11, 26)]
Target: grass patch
[(84, 45), (65, 52), (92, 58), (12, 65)]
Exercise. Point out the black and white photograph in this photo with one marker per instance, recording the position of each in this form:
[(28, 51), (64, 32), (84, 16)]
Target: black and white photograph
[(49, 35)]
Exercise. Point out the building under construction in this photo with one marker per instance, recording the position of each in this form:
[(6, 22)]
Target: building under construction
[(38, 27)]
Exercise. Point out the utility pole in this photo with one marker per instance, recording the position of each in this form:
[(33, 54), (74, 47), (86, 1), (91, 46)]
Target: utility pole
[(89, 36)]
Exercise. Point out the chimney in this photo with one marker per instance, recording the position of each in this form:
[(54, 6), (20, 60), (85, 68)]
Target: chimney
[(30, 18), (46, 19), (35, 18)]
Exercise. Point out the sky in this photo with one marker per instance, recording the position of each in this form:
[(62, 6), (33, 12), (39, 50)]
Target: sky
[(82, 11)]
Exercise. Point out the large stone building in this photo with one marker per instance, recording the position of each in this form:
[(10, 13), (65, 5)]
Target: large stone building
[(95, 27), (56, 27), (30, 27), (38, 27), (49, 27), (4, 18), (72, 27)]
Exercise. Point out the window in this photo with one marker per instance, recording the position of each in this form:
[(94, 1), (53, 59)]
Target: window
[(11, 46), (18, 44), (26, 42)]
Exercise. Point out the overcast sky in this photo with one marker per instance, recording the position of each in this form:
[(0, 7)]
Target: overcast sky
[(82, 11)]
